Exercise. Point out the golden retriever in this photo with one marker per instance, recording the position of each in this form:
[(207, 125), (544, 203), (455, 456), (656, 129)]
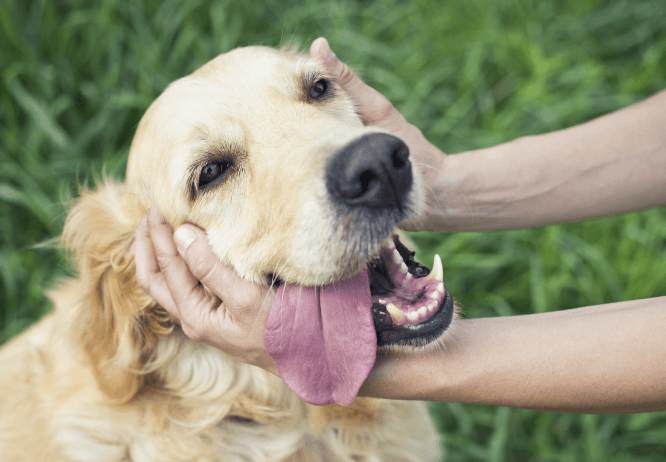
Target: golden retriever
[(263, 150)]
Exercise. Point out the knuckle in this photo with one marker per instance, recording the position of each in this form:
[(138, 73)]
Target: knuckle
[(200, 265), (165, 263), (143, 281), (143, 284), (346, 75), (384, 107), (192, 332)]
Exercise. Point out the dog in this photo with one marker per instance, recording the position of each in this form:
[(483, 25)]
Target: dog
[(263, 150)]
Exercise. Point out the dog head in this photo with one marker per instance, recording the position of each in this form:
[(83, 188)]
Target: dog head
[(265, 152)]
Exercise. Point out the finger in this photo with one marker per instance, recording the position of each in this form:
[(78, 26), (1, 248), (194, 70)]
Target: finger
[(148, 274), (193, 245), (184, 288), (320, 49), (372, 105)]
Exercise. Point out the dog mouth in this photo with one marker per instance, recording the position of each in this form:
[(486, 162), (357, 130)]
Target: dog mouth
[(410, 305), (325, 339)]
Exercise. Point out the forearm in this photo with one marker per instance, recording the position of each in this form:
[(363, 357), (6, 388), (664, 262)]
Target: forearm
[(611, 165), (604, 359)]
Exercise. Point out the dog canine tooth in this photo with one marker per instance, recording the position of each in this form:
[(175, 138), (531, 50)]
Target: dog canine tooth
[(396, 313), (437, 272)]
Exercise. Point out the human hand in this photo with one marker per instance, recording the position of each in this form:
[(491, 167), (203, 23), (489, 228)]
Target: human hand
[(230, 315), (375, 109)]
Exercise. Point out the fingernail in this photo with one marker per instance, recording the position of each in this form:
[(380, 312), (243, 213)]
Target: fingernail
[(331, 56), (184, 236)]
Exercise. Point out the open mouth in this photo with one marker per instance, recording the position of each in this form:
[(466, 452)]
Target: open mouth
[(410, 305), (324, 339)]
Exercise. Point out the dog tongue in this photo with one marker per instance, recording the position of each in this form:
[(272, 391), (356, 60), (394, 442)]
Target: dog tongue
[(323, 339)]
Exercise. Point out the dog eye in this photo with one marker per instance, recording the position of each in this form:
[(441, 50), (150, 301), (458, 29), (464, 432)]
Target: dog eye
[(213, 171), (320, 89), (241, 420)]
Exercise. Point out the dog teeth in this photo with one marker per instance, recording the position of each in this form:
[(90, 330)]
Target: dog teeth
[(413, 316), (382, 301), (403, 267), (396, 313), (435, 294), (437, 272), (397, 258), (432, 305), (422, 311)]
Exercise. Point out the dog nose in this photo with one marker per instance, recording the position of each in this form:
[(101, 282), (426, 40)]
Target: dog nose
[(372, 171)]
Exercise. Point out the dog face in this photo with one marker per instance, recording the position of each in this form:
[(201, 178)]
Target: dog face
[(263, 150), (241, 148)]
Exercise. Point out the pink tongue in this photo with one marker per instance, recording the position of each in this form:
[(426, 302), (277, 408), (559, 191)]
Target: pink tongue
[(323, 339)]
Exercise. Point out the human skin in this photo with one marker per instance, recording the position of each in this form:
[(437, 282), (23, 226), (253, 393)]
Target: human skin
[(600, 359)]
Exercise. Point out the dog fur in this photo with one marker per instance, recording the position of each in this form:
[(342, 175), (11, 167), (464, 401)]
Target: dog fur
[(108, 377)]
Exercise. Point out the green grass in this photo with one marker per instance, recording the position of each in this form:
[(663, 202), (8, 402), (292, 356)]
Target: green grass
[(75, 79)]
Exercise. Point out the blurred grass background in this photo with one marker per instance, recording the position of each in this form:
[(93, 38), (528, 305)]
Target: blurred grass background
[(77, 75)]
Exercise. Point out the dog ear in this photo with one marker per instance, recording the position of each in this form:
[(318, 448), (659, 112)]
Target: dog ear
[(118, 323)]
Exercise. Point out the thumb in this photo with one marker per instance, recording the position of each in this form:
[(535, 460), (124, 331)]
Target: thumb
[(320, 49), (193, 246)]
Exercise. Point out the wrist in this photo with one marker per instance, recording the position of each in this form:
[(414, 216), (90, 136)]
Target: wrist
[(479, 190), (421, 376)]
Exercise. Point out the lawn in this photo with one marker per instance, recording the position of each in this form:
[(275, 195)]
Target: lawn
[(76, 78)]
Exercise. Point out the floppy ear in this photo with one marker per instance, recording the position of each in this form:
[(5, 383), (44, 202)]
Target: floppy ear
[(119, 324)]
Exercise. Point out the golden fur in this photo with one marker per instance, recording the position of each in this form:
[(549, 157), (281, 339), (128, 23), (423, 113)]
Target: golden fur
[(107, 377)]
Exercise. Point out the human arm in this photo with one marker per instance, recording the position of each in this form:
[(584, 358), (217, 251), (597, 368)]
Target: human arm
[(599, 359), (610, 165)]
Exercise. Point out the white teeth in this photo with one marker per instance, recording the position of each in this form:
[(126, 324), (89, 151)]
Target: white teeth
[(413, 316), (409, 276), (382, 301), (437, 270), (435, 295), (432, 305), (440, 287), (396, 256), (422, 311), (395, 312), (403, 267)]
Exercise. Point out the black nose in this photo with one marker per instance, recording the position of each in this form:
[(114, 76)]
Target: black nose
[(371, 171)]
